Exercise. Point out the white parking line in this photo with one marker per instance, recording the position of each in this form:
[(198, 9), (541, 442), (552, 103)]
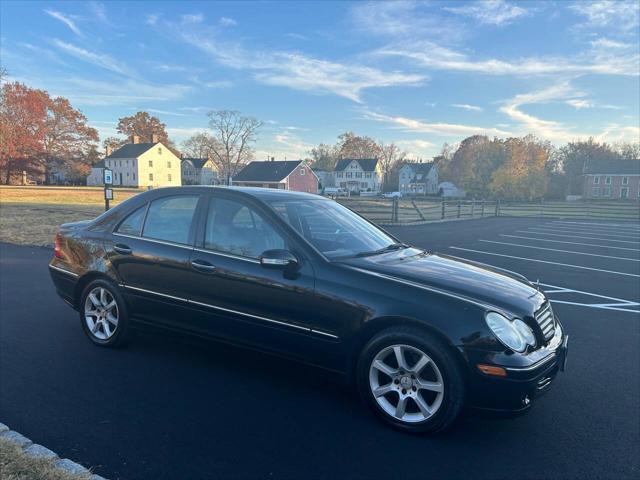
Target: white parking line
[(546, 261), (602, 224), (562, 230), (619, 304), (557, 250), (571, 243), (573, 236)]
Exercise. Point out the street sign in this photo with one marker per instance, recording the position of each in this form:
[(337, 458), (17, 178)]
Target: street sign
[(108, 194), (108, 176)]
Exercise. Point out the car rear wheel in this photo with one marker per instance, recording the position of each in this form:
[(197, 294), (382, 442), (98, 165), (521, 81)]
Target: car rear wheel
[(411, 381), (103, 314)]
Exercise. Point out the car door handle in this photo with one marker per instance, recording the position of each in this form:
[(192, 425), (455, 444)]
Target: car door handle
[(203, 266), (123, 249)]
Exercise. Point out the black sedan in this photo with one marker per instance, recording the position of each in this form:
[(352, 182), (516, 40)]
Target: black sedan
[(422, 335)]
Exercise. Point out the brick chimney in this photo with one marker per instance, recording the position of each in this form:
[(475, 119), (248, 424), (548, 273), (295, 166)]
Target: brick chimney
[(155, 138), (135, 139), (108, 150)]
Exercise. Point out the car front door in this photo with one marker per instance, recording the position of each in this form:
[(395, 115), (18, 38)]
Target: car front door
[(238, 297), (150, 251)]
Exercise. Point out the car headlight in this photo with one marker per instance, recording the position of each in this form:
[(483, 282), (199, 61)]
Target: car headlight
[(515, 335)]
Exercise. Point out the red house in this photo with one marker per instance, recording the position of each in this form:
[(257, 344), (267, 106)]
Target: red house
[(612, 179), (286, 175)]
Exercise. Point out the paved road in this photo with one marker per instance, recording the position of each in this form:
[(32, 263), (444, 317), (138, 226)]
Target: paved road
[(168, 407)]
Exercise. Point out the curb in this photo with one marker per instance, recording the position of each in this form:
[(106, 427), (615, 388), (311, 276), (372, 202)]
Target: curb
[(35, 450)]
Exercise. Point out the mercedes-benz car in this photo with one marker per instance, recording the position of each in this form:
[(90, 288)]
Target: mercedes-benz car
[(422, 336)]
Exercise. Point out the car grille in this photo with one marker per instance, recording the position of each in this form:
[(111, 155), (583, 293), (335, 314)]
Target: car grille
[(544, 317)]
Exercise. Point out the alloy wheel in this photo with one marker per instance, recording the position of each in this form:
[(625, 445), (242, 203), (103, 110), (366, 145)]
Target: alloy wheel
[(101, 313), (406, 383)]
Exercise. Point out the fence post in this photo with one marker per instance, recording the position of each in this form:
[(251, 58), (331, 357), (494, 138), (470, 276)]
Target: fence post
[(473, 207), (482, 208), (459, 206), (443, 206), (542, 206), (394, 210), (497, 207)]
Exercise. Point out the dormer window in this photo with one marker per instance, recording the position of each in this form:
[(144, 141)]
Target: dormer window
[(159, 150), (302, 172)]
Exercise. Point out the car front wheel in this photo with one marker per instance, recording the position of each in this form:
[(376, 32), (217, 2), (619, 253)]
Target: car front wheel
[(411, 381)]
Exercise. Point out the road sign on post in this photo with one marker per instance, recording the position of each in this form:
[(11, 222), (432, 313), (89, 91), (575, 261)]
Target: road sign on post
[(108, 192)]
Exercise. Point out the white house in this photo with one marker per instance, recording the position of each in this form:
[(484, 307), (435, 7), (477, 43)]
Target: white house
[(199, 171), (418, 179), (97, 174), (140, 165), (325, 178), (358, 175)]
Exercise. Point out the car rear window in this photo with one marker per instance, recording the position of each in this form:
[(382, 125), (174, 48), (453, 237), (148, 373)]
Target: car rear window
[(132, 225)]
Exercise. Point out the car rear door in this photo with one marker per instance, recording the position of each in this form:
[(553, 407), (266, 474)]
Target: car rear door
[(150, 251), (237, 297)]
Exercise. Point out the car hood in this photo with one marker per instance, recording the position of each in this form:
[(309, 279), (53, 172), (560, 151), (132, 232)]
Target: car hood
[(474, 281)]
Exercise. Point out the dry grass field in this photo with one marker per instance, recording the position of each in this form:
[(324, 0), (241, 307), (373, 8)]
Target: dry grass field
[(31, 215)]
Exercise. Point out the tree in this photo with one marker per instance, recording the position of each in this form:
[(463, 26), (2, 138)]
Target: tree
[(574, 156), (68, 140), (628, 150), (234, 134), (23, 113), (200, 145), (144, 126), (353, 146), (324, 157), (390, 158)]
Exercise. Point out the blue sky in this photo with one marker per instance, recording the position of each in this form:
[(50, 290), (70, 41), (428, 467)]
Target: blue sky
[(415, 73)]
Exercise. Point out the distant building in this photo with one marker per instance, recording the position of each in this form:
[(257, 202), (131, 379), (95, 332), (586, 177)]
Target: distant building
[(285, 175), (418, 179), (449, 190), (358, 175), (97, 174), (325, 177), (199, 171), (140, 165), (611, 179)]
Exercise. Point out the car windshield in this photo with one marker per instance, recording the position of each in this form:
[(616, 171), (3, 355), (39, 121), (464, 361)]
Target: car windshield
[(333, 229)]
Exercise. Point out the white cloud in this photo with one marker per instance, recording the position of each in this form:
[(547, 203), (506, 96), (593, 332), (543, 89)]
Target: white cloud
[(227, 22), (434, 56), (490, 12), (443, 129), (298, 71), (615, 132), (418, 148), (619, 14), (67, 20), (608, 43), (163, 112), (98, 59), (466, 106), (192, 18), (579, 103), (152, 19)]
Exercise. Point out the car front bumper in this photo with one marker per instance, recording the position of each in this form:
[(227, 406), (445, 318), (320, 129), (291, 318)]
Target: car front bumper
[(522, 384)]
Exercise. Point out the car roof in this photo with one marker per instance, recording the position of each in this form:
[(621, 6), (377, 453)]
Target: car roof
[(264, 194)]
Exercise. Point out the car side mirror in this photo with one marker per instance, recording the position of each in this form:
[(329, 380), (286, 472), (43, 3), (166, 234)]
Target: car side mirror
[(278, 259)]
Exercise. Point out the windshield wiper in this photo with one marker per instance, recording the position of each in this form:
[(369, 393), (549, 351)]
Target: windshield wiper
[(388, 248)]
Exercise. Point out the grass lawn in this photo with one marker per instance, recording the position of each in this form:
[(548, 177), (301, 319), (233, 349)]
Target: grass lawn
[(15, 465)]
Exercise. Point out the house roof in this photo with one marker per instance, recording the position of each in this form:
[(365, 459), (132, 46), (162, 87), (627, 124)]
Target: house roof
[(100, 164), (619, 167), (274, 171), (423, 168), (196, 162), (367, 164), (131, 150)]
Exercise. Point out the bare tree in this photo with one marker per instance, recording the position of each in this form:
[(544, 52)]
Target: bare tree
[(200, 145), (234, 134)]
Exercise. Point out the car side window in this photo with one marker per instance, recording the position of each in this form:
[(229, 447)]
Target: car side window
[(132, 225), (170, 218), (235, 228)]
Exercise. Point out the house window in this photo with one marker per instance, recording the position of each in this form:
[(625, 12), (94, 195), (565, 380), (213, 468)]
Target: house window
[(625, 180), (159, 151), (624, 192), (596, 180), (348, 174), (302, 171), (151, 163), (168, 164), (607, 180), (596, 191), (151, 177), (358, 174), (169, 177), (367, 175), (607, 191), (339, 175), (363, 185)]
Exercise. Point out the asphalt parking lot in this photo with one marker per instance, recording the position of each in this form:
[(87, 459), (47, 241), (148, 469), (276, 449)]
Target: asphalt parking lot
[(168, 407)]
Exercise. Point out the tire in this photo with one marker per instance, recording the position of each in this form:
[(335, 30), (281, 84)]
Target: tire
[(103, 298), (433, 393)]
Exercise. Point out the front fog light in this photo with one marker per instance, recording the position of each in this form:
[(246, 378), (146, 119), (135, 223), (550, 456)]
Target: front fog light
[(525, 332), (506, 331)]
